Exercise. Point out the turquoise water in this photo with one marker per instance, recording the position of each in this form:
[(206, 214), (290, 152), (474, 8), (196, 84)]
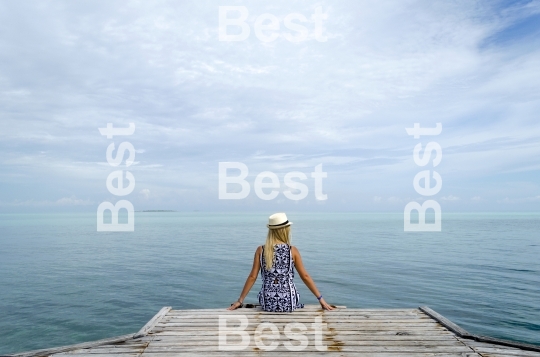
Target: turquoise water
[(62, 282)]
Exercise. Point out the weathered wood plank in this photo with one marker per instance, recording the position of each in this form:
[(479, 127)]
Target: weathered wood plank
[(381, 344), (302, 316), (75, 354), (107, 349), (369, 337), (305, 308), (329, 328), (235, 323), (153, 321), (294, 318), (330, 348), (418, 333), (303, 354), (312, 306), (445, 322), (50, 351)]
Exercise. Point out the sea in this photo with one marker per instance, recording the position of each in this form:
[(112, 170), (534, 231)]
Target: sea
[(62, 282)]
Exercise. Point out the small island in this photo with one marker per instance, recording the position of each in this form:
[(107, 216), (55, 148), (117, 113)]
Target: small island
[(158, 210)]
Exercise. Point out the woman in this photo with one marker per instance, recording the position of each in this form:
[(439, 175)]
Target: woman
[(276, 261)]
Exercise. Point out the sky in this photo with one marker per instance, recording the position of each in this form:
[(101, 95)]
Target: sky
[(341, 96)]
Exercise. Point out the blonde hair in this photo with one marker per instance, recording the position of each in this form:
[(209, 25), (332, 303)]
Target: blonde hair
[(275, 236)]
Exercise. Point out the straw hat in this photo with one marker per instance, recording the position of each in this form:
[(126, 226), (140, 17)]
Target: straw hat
[(278, 220)]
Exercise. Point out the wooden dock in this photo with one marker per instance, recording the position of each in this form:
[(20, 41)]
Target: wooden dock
[(343, 332)]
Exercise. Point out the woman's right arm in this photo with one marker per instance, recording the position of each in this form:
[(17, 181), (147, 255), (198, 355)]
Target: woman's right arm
[(251, 279), (306, 278)]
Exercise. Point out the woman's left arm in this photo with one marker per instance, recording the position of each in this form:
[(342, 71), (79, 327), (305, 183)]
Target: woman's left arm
[(251, 279)]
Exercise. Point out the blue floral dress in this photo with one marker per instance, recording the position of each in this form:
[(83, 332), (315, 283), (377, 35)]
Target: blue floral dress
[(278, 292)]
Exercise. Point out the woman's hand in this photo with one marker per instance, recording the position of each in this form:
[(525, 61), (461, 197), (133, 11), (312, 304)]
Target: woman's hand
[(236, 305), (325, 305)]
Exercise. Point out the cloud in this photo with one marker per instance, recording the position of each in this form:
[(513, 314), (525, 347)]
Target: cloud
[(73, 201), (279, 106), (450, 198), (145, 192)]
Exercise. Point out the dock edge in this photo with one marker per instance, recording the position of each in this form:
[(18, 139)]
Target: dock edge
[(459, 331), (106, 341)]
